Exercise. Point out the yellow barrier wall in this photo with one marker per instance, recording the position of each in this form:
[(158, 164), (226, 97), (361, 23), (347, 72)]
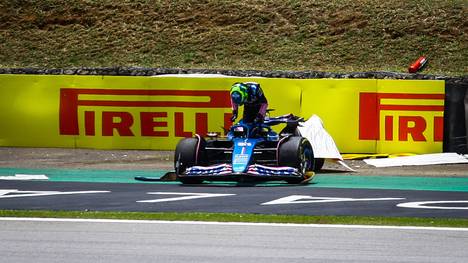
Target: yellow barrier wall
[(336, 102), (410, 115), (378, 116), (112, 112)]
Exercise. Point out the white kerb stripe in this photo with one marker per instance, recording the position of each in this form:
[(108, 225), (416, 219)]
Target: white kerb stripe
[(124, 221)]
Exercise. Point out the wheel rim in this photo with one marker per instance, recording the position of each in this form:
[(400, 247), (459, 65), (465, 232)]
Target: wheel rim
[(305, 160)]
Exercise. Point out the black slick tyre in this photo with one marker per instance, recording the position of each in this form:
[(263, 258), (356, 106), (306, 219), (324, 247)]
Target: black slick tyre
[(189, 152), (296, 152), (319, 162)]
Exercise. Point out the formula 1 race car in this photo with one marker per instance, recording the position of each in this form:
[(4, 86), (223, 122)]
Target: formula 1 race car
[(249, 152)]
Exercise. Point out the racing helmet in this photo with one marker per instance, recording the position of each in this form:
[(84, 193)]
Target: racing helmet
[(254, 88), (239, 93)]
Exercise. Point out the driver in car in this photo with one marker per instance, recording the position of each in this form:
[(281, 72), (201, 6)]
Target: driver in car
[(251, 96)]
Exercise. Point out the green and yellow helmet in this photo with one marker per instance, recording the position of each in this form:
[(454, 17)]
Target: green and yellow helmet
[(239, 93)]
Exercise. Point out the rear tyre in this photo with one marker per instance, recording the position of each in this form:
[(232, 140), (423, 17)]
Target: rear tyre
[(293, 131), (189, 152), (318, 164), (296, 152)]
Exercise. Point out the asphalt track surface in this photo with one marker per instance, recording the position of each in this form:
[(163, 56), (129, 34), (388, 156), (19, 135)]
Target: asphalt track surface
[(228, 198), (116, 241), (71, 188)]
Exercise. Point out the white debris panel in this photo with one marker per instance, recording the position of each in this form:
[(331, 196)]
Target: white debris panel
[(322, 143), (423, 159)]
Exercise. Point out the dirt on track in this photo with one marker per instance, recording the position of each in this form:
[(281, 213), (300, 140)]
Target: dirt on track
[(50, 158)]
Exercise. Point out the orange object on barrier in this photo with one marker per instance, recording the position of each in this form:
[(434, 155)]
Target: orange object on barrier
[(418, 65)]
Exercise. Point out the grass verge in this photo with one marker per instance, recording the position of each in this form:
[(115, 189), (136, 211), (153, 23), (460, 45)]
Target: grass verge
[(321, 35), (251, 218)]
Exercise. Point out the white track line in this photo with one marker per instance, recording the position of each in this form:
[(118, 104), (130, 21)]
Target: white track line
[(76, 220)]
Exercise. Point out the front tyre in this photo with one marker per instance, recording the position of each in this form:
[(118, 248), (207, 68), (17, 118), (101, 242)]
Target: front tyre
[(189, 152), (296, 152)]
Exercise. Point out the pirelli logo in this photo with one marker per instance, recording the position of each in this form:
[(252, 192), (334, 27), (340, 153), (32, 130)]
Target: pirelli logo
[(152, 110), (404, 116)]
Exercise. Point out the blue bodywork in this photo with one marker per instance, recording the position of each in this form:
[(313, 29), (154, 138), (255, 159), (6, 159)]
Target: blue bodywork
[(244, 144), (245, 138), (242, 153)]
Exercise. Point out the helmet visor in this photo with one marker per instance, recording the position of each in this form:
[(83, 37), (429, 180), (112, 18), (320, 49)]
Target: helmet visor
[(237, 98)]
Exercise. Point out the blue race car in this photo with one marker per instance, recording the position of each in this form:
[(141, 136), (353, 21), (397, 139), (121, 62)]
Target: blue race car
[(249, 152)]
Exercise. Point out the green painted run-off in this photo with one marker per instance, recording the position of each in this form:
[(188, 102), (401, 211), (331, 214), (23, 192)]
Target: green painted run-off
[(321, 180)]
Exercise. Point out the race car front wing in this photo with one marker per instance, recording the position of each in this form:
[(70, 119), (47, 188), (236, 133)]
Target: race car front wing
[(252, 170)]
